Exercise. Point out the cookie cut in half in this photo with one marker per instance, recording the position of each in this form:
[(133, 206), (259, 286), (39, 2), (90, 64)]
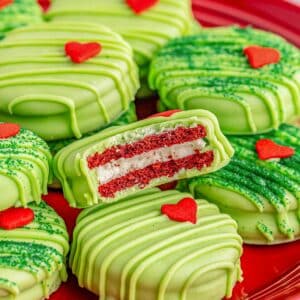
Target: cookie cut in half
[(25, 170), (55, 146), (250, 79), (33, 257), (124, 159), (131, 250), (260, 187)]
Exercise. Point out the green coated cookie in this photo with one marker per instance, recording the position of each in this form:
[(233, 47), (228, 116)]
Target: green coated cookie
[(146, 32), (33, 258), (210, 71), (44, 91), (263, 196), (121, 160), (25, 172), (126, 118), (130, 250)]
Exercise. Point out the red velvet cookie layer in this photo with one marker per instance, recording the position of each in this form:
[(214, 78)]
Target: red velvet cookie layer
[(178, 136), (142, 175)]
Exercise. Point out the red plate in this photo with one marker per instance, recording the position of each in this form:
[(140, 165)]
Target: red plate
[(279, 16), (270, 273)]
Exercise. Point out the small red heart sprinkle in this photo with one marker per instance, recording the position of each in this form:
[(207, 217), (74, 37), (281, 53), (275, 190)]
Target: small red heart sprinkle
[(260, 56), (167, 113), (139, 6), (267, 149), (15, 217), (44, 4), (184, 211), (4, 3), (8, 130), (81, 52)]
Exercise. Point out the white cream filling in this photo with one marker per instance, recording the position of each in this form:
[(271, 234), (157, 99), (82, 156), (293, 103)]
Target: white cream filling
[(120, 167)]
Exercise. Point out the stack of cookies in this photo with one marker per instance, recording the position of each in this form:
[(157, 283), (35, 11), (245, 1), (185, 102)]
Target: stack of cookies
[(33, 238), (67, 115)]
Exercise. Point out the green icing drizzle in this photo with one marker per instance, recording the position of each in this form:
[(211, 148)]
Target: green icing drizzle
[(38, 248), (266, 231), (256, 179), (25, 159), (126, 118), (15, 255), (9, 286), (137, 244), (64, 95), (146, 32), (190, 71)]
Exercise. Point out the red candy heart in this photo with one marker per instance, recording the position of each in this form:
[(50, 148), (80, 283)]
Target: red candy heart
[(80, 52), (267, 149), (139, 6), (167, 113), (8, 130), (260, 56), (15, 217), (4, 3), (184, 211), (44, 4)]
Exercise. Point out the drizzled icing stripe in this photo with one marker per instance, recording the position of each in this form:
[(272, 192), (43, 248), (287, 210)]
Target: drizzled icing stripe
[(39, 248), (211, 66), (146, 32), (127, 117), (136, 239), (165, 139), (71, 163), (98, 90), (273, 187), (25, 160)]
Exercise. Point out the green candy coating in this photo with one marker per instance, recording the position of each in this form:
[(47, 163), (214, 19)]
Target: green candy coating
[(55, 146), (44, 91), (18, 14), (25, 172), (146, 32), (262, 196), (32, 260), (80, 184), (128, 117), (129, 250), (210, 71)]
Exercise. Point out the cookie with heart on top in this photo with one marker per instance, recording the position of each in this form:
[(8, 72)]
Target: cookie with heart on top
[(156, 245), (64, 80), (33, 246), (250, 79), (146, 25), (260, 187)]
